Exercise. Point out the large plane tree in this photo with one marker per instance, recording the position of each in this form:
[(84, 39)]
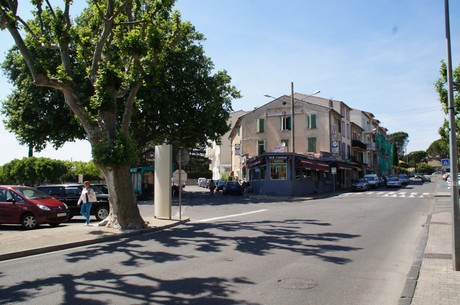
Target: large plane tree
[(124, 75)]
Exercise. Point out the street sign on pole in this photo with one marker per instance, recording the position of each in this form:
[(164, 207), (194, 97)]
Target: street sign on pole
[(445, 163)]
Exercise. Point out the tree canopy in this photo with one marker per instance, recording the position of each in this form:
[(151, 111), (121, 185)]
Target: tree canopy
[(442, 89), (439, 149), (400, 140), (125, 75)]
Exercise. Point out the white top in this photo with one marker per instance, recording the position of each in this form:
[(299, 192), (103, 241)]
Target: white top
[(87, 199)]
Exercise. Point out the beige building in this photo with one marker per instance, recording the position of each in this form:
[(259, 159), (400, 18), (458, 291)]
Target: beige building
[(319, 130), (342, 136), (221, 154)]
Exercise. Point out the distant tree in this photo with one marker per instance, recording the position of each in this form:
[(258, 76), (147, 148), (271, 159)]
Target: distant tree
[(400, 139), (425, 168), (88, 169), (395, 155), (439, 149), (416, 157), (33, 171)]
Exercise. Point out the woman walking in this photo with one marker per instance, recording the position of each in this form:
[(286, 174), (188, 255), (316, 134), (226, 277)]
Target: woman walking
[(87, 197)]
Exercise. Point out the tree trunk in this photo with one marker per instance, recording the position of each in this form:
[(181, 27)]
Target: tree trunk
[(124, 212)]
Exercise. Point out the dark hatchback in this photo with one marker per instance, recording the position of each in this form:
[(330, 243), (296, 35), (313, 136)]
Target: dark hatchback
[(232, 188), (70, 193), (30, 207)]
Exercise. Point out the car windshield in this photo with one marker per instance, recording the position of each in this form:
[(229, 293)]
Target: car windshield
[(101, 188), (31, 193)]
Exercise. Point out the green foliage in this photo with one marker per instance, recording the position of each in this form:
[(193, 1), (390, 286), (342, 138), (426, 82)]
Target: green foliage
[(442, 90), (122, 150), (400, 139), (439, 149), (425, 168), (34, 171), (148, 42), (416, 157), (75, 168)]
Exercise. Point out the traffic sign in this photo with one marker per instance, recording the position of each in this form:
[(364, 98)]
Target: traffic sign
[(445, 163)]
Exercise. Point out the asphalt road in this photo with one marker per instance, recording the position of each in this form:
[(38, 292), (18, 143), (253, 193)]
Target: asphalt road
[(354, 248)]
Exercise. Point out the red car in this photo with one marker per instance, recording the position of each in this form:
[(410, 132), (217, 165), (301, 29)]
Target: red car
[(30, 207)]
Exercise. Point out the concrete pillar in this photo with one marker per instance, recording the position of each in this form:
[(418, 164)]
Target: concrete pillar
[(163, 166)]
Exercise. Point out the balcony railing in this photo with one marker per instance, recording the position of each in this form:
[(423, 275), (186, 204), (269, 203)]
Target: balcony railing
[(358, 144)]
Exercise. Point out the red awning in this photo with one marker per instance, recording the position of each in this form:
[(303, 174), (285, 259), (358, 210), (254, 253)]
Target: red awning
[(345, 166), (313, 165)]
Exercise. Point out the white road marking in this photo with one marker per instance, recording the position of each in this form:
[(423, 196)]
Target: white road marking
[(229, 216)]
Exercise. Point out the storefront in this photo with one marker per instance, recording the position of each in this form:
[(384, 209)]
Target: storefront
[(288, 174)]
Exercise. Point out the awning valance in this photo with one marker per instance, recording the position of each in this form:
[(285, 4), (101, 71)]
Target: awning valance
[(313, 165)]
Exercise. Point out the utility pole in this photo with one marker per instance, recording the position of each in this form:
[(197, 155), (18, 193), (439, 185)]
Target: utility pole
[(292, 119), (453, 151)]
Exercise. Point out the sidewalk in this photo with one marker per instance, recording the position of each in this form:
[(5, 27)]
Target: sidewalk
[(20, 243), (432, 274)]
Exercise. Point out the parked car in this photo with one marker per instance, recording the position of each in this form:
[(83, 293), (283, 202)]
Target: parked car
[(361, 184), (426, 178), (70, 193), (393, 182), (30, 207), (232, 188), (373, 180), (220, 185), (101, 188), (404, 179), (202, 182)]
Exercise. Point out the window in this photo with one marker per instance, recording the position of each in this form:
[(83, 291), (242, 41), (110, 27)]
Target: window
[(285, 123), (257, 173), (260, 125), (312, 121), (278, 169), (260, 147), (312, 145)]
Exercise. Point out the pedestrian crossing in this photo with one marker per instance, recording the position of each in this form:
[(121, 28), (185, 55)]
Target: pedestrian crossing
[(389, 194)]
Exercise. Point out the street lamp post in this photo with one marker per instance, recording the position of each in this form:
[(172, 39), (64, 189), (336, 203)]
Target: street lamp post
[(292, 119)]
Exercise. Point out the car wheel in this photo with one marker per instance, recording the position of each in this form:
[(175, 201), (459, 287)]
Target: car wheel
[(101, 213), (54, 224), (28, 222)]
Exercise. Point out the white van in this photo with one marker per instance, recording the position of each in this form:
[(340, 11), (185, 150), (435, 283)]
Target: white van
[(202, 182), (373, 179)]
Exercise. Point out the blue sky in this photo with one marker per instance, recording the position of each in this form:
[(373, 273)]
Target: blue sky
[(378, 56)]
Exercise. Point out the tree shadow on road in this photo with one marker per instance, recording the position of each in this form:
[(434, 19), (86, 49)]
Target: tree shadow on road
[(100, 286), (307, 237)]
